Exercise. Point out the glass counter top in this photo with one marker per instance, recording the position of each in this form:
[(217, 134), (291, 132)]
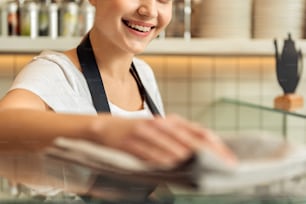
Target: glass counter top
[(224, 115), (231, 115), (239, 103)]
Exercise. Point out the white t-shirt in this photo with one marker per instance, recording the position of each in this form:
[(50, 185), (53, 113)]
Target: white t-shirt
[(55, 79), (117, 111)]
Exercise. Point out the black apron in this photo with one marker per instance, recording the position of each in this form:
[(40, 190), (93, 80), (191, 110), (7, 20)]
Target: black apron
[(96, 87)]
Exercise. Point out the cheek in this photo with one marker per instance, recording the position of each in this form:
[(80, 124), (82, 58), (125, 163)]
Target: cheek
[(169, 17), (165, 18)]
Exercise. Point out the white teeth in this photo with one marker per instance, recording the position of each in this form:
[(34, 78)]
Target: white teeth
[(140, 28)]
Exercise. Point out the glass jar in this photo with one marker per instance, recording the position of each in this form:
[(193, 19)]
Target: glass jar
[(180, 25), (176, 26), (12, 17), (69, 15), (87, 16), (29, 19), (48, 19)]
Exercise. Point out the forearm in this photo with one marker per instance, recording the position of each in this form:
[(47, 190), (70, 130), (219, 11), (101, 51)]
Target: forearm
[(24, 129)]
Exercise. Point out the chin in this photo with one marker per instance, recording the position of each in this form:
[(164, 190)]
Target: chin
[(137, 49), (136, 52)]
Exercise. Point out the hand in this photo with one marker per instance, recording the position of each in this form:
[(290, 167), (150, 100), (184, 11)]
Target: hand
[(160, 141)]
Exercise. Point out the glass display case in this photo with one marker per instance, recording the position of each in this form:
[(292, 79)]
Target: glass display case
[(230, 115)]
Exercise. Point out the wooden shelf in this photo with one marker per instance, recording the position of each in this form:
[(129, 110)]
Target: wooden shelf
[(169, 46)]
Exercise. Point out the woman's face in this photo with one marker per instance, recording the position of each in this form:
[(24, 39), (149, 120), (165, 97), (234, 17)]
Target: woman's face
[(131, 24)]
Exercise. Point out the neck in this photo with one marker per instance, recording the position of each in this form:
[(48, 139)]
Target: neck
[(111, 60)]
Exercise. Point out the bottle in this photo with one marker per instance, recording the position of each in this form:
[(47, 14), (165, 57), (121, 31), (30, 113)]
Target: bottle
[(53, 20), (176, 27), (43, 18), (29, 18), (48, 18), (86, 17), (69, 14), (12, 16)]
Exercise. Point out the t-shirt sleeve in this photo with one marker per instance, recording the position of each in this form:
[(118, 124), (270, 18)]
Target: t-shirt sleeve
[(52, 84)]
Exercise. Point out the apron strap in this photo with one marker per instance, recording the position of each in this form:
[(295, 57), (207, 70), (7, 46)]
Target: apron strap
[(94, 81), (92, 75)]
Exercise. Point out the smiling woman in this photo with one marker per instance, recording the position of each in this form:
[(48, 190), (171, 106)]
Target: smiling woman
[(88, 92)]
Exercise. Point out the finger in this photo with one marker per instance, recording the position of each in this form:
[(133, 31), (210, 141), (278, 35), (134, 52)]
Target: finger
[(205, 138), (215, 144), (190, 135), (152, 155), (194, 129), (160, 139), (177, 132)]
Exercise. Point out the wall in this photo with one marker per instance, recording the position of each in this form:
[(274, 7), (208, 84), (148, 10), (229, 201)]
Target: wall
[(9, 67), (202, 79), (189, 85)]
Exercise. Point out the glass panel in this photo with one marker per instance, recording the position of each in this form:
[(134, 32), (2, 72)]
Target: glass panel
[(230, 115), (224, 115)]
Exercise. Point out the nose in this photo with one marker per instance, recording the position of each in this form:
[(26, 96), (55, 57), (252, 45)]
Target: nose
[(148, 8)]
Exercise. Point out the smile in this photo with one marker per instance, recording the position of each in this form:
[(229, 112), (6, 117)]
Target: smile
[(139, 28)]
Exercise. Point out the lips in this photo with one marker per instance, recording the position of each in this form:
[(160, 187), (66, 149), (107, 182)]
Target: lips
[(138, 27)]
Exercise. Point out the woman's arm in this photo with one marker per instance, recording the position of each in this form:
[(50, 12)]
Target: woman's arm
[(27, 123)]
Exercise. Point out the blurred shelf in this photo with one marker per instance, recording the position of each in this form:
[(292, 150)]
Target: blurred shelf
[(28, 45), (169, 46), (199, 46)]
